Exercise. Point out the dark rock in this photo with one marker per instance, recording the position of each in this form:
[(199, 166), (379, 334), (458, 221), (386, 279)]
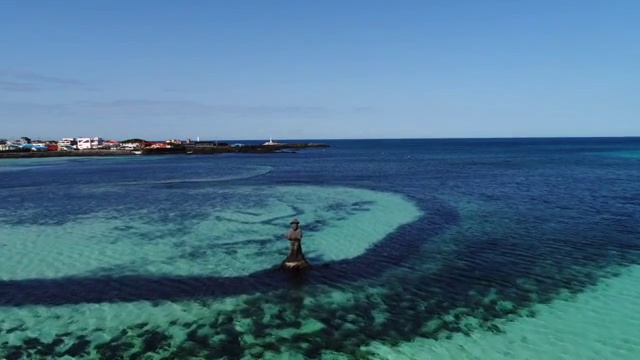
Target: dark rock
[(200, 340), (154, 341), (15, 355), (187, 350), (80, 347), (496, 329), (136, 355), (32, 343), (314, 351), (14, 329), (231, 347), (49, 349), (113, 350), (271, 346)]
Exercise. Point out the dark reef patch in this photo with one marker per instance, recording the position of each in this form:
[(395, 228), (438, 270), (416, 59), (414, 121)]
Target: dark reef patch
[(78, 348)]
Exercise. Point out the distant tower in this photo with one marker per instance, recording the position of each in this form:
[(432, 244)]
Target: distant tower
[(198, 138)]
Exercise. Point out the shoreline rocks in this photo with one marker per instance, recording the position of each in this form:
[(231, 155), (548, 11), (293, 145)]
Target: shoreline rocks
[(43, 154), (186, 150)]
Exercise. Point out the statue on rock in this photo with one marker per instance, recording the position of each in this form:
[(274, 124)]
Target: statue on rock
[(296, 259)]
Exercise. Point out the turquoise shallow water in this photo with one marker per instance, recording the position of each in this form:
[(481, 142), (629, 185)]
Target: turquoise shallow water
[(452, 249)]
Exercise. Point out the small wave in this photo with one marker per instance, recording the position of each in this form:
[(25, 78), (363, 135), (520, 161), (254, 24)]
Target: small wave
[(250, 174), (24, 168), (12, 168)]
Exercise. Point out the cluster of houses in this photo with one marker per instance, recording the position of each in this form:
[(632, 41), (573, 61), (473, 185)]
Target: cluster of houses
[(83, 143)]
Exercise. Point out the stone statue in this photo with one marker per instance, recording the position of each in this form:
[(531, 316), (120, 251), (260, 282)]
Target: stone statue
[(296, 259)]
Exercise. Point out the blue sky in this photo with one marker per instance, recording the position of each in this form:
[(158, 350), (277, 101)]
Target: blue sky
[(319, 69)]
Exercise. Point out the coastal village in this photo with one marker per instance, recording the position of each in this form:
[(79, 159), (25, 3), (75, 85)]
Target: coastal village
[(86, 143), (92, 146)]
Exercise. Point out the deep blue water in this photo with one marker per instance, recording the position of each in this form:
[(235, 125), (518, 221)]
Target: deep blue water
[(559, 215)]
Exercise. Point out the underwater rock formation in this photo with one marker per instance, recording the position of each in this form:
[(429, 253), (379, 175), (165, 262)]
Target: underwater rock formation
[(295, 260)]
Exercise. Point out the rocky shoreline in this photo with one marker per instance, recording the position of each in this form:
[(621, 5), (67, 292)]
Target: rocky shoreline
[(44, 154), (186, 150)]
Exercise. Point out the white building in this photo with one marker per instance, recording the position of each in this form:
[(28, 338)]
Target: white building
[(89, 142), (68, 142), (130, 145), (271, 142)]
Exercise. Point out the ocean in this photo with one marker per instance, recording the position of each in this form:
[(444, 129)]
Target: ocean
[(420, 249)]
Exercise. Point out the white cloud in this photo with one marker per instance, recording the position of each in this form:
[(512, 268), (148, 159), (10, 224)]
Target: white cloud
[(157, 108), (25, 81)]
